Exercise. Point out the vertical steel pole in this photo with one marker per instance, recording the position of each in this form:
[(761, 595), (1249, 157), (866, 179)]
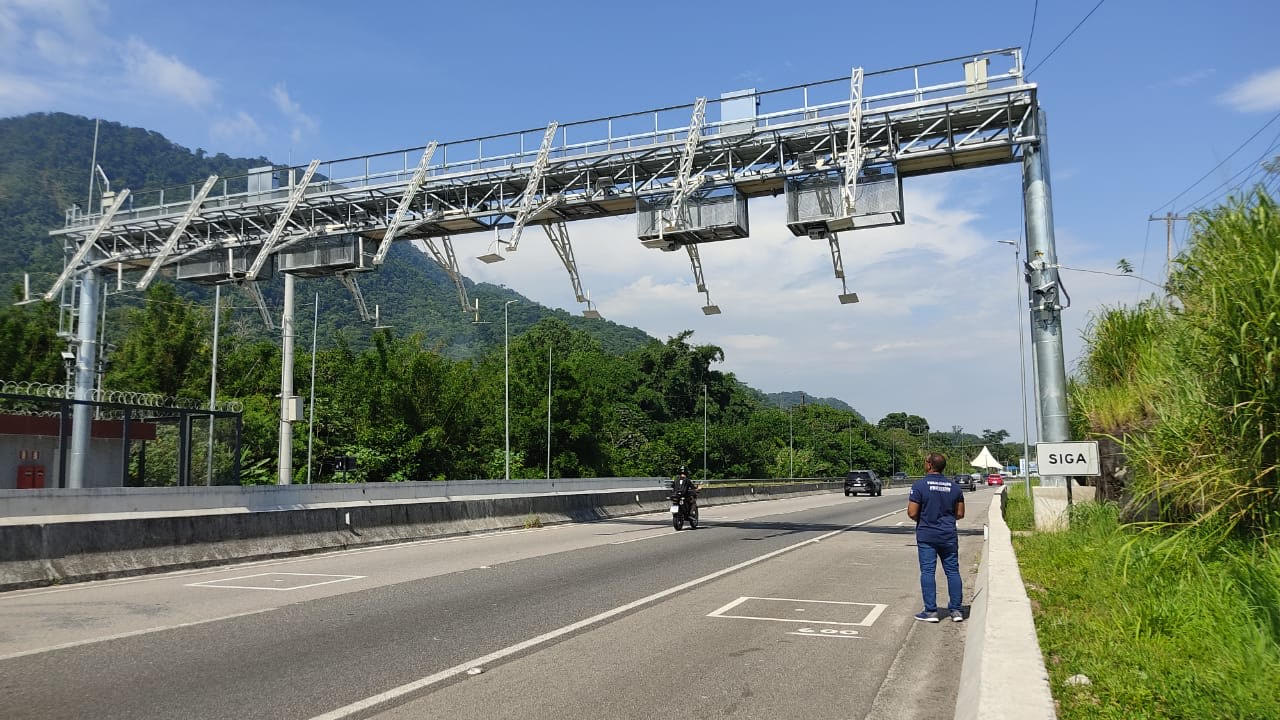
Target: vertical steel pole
[(1022, 368), (548, 411), (213, 374), (86, 366), (184, 449), (1044, 294), (704, 432), (286, 384), (311, 408), (506, 389), (124, 450)]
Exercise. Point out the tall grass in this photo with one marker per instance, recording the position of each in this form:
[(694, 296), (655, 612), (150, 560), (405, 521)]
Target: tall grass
[(1193, 389), (1172, 626)]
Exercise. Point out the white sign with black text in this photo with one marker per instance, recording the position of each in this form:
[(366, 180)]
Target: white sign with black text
[(1068, 458)]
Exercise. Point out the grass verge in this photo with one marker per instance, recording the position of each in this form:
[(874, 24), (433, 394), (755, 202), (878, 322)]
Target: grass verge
[(1017, 509), (1164, 626)]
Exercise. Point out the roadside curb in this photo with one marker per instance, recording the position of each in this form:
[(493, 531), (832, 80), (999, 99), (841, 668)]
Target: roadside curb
[(1003, 676)]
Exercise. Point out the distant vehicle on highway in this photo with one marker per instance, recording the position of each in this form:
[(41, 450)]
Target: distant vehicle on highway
[(863, 481), (995, 479), (966, 482), (899, 478)]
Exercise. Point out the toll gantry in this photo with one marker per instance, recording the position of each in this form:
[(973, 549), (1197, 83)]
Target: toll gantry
[(838, 150)]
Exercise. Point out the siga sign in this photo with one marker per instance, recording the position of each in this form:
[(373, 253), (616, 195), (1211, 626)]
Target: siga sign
[(1068, 458)]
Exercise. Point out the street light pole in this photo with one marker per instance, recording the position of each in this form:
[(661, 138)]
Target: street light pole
[(704, 432), (506, 388), (1022, 361), (791, 442), (849, 443), (548, 411)]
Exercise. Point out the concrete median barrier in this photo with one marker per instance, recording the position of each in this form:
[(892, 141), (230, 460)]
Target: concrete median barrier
[(44, 553)]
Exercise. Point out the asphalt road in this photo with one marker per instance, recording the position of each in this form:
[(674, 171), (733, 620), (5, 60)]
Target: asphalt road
[(791, 608)]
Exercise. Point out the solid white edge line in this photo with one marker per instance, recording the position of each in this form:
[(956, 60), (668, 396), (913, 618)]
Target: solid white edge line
[(646, 537), (131, 633), (375, 700)]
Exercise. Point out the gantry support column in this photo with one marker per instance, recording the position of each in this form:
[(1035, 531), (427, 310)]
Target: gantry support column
[(1045, 294), (86, 374), (286, 385)]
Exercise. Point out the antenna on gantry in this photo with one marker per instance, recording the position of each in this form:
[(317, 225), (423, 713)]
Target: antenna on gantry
[(591, 312), (495, 249)]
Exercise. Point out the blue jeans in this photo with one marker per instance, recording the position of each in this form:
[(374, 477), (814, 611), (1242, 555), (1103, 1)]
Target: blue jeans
[(929, 554)]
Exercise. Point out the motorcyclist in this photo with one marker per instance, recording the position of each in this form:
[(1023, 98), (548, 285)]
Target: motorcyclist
[(683, 485)]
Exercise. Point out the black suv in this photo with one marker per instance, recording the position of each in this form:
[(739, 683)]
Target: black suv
[(966, 482), (862, 481)]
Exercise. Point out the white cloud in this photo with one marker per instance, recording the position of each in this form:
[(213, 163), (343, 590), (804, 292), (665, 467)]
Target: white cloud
[(1261, 92), (19, 95), (1187, 79), (240, 131), (166, 75), (750, 342), (300, 121)]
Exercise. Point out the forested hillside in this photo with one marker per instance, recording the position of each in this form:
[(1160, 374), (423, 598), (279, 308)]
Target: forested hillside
[(421, 400)]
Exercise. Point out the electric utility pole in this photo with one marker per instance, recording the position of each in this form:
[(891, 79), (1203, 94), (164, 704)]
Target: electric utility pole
[(1169, 219)]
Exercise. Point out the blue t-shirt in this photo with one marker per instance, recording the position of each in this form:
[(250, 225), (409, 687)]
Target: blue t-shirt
[(937, 497)]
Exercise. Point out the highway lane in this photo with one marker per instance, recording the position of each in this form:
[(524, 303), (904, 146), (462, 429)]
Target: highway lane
[(411, 612)]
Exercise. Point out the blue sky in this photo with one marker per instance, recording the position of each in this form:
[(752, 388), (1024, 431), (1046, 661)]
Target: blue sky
[(1142, 100)]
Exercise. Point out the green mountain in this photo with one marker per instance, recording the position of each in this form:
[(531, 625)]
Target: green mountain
[(793, 398), (44, 169)]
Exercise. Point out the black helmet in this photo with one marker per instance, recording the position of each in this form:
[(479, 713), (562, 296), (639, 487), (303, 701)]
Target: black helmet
[(682, 471)]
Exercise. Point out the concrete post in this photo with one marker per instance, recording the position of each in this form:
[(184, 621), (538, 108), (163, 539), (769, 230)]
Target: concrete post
[(286, 385), (86, 372), (1045, 296)]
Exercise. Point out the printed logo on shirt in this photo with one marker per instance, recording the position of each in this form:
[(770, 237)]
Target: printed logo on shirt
[(940, 486)]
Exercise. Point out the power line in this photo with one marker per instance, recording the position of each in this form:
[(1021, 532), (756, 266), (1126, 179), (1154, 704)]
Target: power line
[(1032, 36), (1068, 37), (1257, 166), (1112, 274), (1215, 167)]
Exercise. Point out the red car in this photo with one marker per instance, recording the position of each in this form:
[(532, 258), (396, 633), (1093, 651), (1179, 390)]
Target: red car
[(995, 479)]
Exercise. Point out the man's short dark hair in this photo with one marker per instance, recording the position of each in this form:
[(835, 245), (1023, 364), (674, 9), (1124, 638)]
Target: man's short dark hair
[(937, 461)]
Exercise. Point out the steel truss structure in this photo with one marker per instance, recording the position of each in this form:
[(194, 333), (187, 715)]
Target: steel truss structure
[(920, 119)]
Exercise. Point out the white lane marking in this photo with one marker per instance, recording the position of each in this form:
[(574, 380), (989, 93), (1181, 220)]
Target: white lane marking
[(218, 583), (646, 537), (873, 614), (131, 633), (360, 706)]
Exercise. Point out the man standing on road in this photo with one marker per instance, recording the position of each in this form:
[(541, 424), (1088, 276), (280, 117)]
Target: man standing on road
[(935, 503)]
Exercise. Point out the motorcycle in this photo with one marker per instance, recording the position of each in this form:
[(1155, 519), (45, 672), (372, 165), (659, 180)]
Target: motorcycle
[(684, 507)]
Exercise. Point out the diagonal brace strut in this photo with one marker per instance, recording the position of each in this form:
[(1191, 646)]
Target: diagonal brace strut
[(444, 257), (558, 234), (415, 184)]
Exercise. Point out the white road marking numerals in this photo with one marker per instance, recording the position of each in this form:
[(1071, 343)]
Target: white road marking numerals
[(827, 633)]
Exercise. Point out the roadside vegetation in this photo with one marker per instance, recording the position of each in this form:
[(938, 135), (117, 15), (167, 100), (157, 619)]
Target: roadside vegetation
[(1167, 594)]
